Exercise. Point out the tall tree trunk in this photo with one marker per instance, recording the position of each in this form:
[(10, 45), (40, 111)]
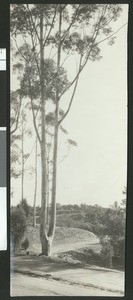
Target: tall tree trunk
[(43, 218), (22, 158), (35, 192), (48, 190), (55, 149)]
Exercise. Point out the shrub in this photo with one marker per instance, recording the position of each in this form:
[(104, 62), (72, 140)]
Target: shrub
[(119, 252), (18, 225), (86, 226), (25, 207), (25, 244), (107, 253)]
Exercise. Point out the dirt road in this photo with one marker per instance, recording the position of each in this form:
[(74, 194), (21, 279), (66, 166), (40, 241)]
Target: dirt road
[(44, 274), (71, 245), (66, 239), (24, 285)]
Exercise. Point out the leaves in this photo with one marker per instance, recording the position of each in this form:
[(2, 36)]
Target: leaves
[(19, 19), (84, 13), (111, 41), (18, 67), (61, 112), (72, 142), (50, 117)]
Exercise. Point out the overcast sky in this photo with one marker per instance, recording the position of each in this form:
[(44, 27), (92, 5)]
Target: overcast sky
[(95, 172)]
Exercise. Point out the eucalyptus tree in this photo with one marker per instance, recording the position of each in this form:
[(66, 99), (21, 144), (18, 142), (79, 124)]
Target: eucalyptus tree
[(46, 36)]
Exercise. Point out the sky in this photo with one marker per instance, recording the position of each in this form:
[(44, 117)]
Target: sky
[(95, 172)]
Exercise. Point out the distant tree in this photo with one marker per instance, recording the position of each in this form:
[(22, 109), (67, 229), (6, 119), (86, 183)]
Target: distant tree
[(115, 222), (123, 203)]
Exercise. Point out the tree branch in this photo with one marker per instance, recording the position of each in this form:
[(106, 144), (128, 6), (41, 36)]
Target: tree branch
[(65, 156), (33, 113), (29, 153), (33, 22), (32, 41), (110, 35), (81, 66), (66, 57), (19, 49), (34, 121), (72, 22), (72, 97), (46, 39)]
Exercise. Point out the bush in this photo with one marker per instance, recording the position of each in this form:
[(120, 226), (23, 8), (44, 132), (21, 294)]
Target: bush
[(115, 222), (18, 225), (25, 244), (107, 253), (99, 229), (25, 207), (119, 252), (86, 226)]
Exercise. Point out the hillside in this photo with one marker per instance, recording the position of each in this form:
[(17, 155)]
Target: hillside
[(65, 239), (78, 230)]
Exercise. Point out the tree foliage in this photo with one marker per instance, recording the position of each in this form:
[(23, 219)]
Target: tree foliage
[(45, 36)]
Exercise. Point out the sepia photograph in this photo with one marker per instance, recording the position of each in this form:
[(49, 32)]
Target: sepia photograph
[(68, 141)]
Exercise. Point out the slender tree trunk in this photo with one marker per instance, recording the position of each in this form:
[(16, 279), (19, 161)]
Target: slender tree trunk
[(48, 191), (43, 218), (35, 192), (22, 158), (55, 149)]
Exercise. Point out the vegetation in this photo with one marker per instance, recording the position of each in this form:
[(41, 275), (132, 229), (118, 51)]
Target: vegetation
[(25, 244), (25, 207), (18, 225), (98, 220), (49, 35)]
